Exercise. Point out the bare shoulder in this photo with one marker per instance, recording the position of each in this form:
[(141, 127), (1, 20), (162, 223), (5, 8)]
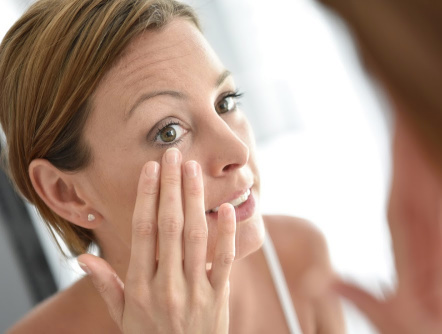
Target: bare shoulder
[(303, 253), (298, 243), (50, 316), (68, 311)]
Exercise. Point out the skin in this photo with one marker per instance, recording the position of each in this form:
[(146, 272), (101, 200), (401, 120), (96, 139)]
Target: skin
[(134, 208), (223, 146)]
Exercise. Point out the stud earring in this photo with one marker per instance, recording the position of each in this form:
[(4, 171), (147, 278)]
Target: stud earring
[(90, 217)]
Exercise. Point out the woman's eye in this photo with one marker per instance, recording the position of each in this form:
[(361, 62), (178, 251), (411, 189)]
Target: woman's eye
[(228, 103), (170, 134)]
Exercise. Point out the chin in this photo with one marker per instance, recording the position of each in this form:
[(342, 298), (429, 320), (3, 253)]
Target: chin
[(249, 236)]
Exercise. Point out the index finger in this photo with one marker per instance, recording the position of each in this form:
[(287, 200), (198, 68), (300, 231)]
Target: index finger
[(144, 224)]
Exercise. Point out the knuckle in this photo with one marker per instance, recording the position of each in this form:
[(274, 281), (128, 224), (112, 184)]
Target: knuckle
[(139, 299), (225, 258), (145, 229), (222, 293), (172, 301), (149, 189), (228, 229), (172, 180), (173, 198), (139, 303), (171, 225), (197, 235), (199, 299), (195, 189), (101, 287)]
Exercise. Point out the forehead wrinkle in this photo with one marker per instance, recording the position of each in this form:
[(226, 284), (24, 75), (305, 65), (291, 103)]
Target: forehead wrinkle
[(134, 75), (158, 55)]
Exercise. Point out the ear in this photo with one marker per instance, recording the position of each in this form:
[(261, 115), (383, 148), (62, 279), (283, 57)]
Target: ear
[(58, 190)]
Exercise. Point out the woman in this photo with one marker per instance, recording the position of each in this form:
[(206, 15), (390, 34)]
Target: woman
[(400, 44), (123, 129)]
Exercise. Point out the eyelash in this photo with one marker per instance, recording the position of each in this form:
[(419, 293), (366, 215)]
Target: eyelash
[(235, 95), (158, 133)]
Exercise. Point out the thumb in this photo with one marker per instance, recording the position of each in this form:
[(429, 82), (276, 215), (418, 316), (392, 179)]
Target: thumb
[(106, 282), (373, 309)]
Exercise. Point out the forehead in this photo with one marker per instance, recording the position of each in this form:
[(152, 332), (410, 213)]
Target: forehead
[(170, 56)]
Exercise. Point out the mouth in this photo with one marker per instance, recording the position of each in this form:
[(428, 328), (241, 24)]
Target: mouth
[(235, 202)]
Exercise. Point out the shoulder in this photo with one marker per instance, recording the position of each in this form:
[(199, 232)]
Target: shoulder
[(68, 311), (303, 254), (298, 243), (50, 316)]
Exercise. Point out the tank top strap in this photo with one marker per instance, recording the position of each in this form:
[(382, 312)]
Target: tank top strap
[(281, 285)]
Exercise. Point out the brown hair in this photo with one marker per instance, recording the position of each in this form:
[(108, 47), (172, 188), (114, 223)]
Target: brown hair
[(401, 41), (51, 61)]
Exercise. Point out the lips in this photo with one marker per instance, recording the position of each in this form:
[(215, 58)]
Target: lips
[(243, 211), (235, 202)]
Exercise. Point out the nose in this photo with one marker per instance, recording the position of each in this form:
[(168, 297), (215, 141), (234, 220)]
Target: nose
[(226, 150)]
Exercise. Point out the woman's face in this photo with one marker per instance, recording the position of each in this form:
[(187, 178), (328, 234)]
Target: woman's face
[(169, 89)]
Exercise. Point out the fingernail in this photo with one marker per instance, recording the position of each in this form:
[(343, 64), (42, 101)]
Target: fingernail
[(227, 210), (172, 156), (84, 267), (191, 169), (152, 169)]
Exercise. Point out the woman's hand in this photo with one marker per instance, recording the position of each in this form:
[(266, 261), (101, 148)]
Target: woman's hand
[(415, 222), (174, 294), (416, 305)]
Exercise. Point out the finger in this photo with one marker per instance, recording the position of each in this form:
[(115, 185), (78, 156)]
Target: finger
[(414, 216), (144, 225), (195, 227), (224, 248), (170, 213), (107, 284), (374, 309), (417, 240)]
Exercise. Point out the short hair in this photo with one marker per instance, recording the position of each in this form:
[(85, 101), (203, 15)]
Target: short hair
[(51, 62)]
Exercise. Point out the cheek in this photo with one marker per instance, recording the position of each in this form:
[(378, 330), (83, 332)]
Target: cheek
[(116, 188)]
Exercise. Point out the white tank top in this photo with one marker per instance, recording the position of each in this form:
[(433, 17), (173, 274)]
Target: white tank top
[(281, 285)]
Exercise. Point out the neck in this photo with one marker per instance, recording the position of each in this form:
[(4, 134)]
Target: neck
[(115, 250)]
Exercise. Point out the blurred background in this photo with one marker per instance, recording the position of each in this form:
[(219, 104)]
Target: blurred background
[(323, 134)]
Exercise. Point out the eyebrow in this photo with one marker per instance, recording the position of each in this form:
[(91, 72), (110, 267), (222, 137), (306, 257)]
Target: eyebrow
[(222, 78), (151, 95), (171, 93)]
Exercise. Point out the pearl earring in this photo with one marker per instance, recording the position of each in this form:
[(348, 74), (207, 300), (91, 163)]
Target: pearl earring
[(90, 217)]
